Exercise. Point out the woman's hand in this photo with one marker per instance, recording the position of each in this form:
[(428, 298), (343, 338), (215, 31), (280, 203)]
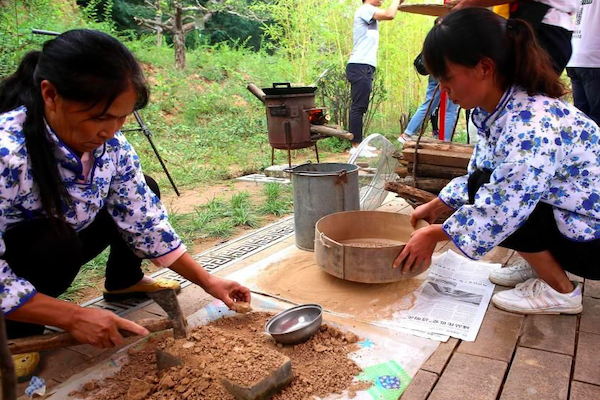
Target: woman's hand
[(419, 249), (227, 291), (428, 211), (417, 253), (100, 328)]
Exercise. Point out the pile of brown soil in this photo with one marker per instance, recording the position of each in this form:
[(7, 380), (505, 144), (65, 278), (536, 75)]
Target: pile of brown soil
[(235, 348)]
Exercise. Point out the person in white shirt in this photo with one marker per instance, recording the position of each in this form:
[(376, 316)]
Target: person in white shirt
[(551, 20), (363, 61), (584, 66)]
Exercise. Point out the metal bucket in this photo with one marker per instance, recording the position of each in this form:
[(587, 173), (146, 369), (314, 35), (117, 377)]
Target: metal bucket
[(320, 190)]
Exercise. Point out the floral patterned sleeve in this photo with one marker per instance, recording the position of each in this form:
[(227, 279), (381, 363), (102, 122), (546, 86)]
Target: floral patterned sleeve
[(455, 194), (14, 291), (139, 214), (500, 208)]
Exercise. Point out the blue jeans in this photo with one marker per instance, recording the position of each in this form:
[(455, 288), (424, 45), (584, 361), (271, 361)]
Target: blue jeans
[(586, 91), (414, 125)]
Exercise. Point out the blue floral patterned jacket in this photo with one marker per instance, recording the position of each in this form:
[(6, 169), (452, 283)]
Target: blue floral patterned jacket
[(115, 181), (539, 149)]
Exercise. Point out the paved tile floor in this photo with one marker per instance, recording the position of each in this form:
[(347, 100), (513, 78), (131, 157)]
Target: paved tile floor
[(515, 357)]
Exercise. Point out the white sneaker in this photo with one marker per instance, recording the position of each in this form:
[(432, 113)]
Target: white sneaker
[(516, 273), (537, 297), (370, 148)]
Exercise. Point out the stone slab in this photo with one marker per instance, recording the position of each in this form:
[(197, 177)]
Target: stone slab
[(537, 375), (261, 178), (278, 171), (592, 288), (497, 337), (438, 360), (587, 364), (590, 317), (420, 387), (554, 333), (584, 391), (470, 377)]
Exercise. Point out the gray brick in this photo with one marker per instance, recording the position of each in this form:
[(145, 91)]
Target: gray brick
[(587, 364), (470, 377), (555, 333), (421, 386), (440, 357), (537, 375), (497, 337), (584, 391), (590, 317), (592, 288)]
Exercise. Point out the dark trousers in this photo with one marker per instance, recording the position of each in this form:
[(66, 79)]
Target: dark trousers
[(51, 261), (540, 233), (586, 91), (557, 43), (360, 77)]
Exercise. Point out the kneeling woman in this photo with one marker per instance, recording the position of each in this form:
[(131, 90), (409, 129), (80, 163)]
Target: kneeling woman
[(71, 186), (534, 178)]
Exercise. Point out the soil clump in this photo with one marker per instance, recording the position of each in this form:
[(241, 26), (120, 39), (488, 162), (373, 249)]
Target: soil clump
[(236, 348)]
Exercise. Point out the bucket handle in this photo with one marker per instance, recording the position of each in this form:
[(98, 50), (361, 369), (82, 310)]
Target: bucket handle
[(322, 241)]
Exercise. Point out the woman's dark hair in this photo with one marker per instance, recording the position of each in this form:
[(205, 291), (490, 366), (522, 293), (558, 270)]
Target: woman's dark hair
[(466, 36), (83, 65)]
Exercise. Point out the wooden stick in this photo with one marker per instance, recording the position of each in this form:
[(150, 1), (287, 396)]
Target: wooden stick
[(54, 340), (327, 131), (409, 192), (432, 185)]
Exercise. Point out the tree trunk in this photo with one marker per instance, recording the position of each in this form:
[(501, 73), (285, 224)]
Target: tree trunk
[(159, 29), (179, 36)]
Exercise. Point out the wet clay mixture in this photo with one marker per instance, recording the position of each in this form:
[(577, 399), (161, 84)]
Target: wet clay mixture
[(236, 349), (297, 278)]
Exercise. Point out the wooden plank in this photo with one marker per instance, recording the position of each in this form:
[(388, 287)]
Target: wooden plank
[(432, 185), (438, 157), (441, 146), (436, 171)]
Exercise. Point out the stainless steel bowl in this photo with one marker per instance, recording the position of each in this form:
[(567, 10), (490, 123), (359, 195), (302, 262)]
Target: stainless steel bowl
[(295, 325)]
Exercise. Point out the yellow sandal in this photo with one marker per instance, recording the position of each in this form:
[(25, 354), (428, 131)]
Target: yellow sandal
[(139, 290)]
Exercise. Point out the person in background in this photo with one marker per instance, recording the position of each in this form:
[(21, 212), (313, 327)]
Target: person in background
[(551, 20), (363, 61), (71, 186), (421, 114), (584, 66), (533, 182)]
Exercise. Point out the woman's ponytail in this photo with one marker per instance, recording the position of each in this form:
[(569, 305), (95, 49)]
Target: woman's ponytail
[(533, 69), (19, 88)]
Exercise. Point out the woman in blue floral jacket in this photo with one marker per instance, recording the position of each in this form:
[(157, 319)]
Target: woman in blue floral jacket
[(533, 183), (71, 185)]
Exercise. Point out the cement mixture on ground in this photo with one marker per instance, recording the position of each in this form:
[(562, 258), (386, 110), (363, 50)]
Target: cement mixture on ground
[(238, 349)]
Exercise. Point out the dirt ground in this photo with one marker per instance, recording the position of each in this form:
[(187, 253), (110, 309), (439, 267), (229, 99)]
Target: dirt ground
[(199, 196)]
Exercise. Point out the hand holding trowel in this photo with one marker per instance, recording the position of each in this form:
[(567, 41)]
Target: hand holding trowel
[(166, 299)]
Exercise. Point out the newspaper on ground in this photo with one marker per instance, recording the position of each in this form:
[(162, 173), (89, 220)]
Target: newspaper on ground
[(452, 300)]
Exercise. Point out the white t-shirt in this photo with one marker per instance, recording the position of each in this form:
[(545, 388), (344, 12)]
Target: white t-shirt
[(586, 37), (366, 36), (561, 13)]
